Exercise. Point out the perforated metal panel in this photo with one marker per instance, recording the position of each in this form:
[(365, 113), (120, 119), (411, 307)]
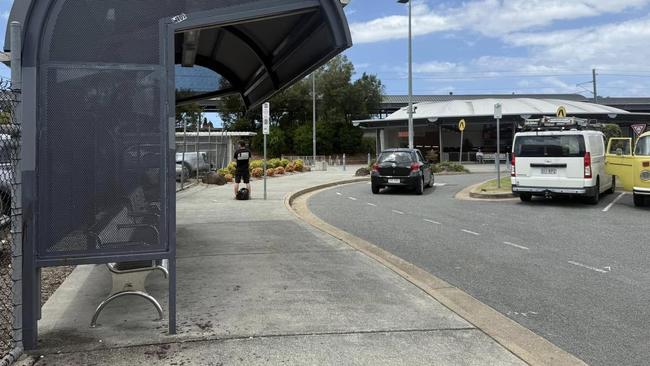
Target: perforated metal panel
[(102, 150)]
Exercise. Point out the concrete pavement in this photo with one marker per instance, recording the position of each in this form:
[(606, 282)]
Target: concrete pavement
[(258, 286)]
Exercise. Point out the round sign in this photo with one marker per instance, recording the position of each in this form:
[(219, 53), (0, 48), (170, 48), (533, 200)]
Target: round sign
[(461, 125), (561, 112)]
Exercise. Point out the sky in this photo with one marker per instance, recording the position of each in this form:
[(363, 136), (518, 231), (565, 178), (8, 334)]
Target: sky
[(505, 46), (498, 46)]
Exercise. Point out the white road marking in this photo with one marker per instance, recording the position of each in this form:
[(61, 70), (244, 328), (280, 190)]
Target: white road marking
[(471, 232), (339, 193), (352, 198), (398, 212), (614, 202), (371, 204), (433, 222), (515, 245), (439, 184), (590, 267)]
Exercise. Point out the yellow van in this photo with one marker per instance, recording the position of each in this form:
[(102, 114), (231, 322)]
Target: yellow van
[(631, 166)]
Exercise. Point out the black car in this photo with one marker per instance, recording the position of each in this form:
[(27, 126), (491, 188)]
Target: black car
[(401, 168)]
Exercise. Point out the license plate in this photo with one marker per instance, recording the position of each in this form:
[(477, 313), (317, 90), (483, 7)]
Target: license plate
[(552, 171), (394, 181)]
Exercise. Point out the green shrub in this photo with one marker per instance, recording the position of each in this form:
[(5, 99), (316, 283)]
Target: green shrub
[(254, 164), (284, 162), (232, 168), (448, 166), (298, 165), (273, 163), (223, 172)]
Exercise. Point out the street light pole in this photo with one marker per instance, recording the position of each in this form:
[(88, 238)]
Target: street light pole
[(410, 81), (410, 110), (313, 94)]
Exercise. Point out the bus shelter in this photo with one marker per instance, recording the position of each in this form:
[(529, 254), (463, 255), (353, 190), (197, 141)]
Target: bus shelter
[(98, 114)]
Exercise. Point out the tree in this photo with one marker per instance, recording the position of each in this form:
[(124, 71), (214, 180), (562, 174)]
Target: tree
[(189, 114), (339, 101)]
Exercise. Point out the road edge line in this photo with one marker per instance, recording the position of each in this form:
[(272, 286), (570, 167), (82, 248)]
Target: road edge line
[(520, 341)]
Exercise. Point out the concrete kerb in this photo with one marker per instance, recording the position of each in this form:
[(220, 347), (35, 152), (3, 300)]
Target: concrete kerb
[(467, 195), (520, 341)]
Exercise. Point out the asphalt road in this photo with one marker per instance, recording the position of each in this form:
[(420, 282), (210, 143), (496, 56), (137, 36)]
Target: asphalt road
[(573, 273)]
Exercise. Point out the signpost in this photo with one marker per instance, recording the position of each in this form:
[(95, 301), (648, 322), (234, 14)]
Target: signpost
[(461, 127), (638, 129), (266, 129), (498, 115)]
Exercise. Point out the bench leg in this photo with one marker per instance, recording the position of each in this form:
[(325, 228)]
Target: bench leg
[(145, 295)]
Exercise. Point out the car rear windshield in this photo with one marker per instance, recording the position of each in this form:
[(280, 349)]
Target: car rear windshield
[(564, 146), (396, 157), (643, 146)]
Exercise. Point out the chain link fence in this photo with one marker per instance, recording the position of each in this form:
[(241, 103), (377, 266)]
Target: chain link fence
[(199, 152), (10, 250)]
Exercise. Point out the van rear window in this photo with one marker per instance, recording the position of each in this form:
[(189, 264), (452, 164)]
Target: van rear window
[(564, 146)]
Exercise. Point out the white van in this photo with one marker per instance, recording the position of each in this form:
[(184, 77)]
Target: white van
[(560, 162)]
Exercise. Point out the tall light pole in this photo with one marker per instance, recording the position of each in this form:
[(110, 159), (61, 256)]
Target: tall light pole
[(410, 111), (313, 95)]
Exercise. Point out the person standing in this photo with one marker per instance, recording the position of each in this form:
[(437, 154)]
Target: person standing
[(479, 156), (242, 157)]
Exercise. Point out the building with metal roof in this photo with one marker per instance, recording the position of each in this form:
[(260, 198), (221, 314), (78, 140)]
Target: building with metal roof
[(436, 121)]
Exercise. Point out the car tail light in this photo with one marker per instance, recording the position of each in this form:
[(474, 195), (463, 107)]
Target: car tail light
[(587, 165), (415, 167), (375, 168), (513, 171), (646, 164)]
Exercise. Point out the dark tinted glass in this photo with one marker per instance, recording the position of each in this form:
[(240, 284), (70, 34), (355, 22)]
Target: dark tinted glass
[(396, 157), (550, 146)]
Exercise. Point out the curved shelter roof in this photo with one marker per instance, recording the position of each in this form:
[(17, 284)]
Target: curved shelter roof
[(254, 58), (484, 108)]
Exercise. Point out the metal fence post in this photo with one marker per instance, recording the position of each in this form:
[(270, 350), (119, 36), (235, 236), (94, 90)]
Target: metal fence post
[(210, 147), (183, 157), (198, 141), (16, 237)]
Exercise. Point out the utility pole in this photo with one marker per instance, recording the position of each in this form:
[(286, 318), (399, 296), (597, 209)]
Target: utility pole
[(595, 89)]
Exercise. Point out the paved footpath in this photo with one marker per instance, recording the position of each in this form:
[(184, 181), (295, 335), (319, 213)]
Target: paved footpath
[(258, 286)]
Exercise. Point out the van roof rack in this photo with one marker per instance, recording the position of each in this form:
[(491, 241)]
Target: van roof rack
[(558, 124)]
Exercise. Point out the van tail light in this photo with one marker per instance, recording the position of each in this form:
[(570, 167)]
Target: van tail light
[(415, 167), (646, 164), (588, 165), (513, 171), (375, 167)]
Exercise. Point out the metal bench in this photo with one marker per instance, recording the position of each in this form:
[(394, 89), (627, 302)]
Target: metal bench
[(125, 229)]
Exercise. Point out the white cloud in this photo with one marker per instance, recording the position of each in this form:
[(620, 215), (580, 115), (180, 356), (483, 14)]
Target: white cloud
[(425, 21), (437, 67), (493, 18)]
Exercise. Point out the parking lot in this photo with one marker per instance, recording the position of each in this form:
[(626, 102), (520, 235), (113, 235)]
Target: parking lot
[(573, 273)]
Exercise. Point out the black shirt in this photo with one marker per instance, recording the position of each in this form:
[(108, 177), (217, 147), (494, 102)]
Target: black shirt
[(243, 156)]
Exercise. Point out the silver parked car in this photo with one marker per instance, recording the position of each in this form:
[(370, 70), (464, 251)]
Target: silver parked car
[(191, 163)]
